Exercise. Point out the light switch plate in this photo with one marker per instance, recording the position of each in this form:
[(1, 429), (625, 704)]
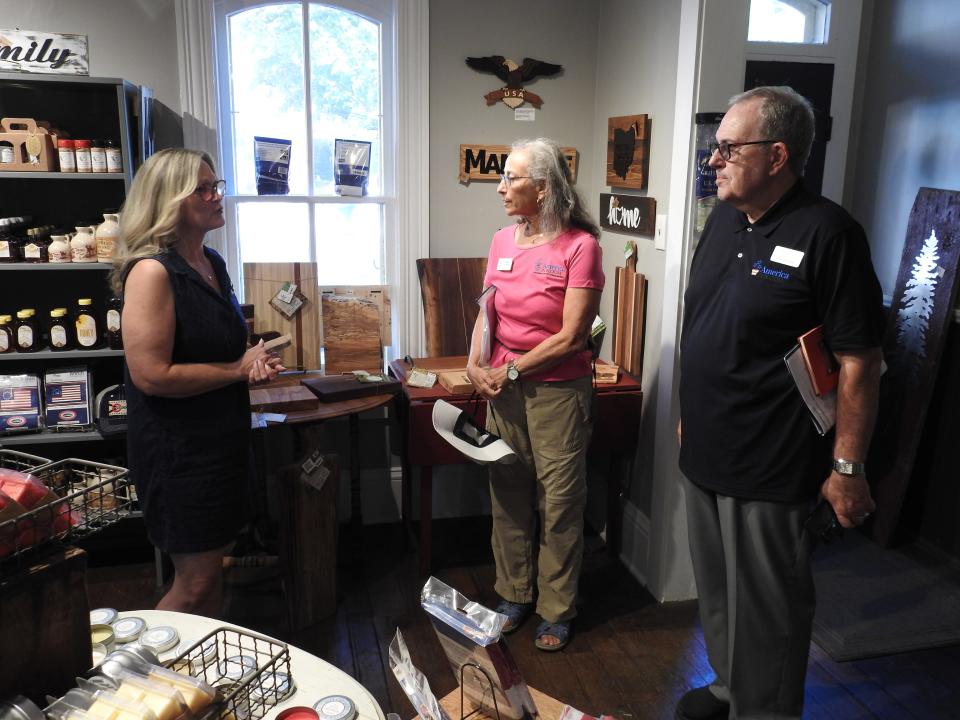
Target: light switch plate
[(660, 232)]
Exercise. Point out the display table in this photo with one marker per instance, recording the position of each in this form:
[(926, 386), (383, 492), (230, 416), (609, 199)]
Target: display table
[(549, 708), (615, 436), (314, 678)]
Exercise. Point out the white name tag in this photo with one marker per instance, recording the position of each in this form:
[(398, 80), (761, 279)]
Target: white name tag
[(786, 256), (505, 264)]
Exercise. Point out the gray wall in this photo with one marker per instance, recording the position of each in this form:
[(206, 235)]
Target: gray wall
[(908, 133), (463, 218), (133, 40)]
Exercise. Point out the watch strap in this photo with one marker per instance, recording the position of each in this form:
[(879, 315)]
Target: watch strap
[(849, 467)]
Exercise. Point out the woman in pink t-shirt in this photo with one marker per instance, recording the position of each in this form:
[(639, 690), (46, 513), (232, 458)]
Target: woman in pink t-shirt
[(548, 277)]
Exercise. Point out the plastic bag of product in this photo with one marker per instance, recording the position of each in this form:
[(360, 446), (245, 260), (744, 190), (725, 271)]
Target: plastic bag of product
[(351, 167), (413, 682), (470, 635), (272, 157)]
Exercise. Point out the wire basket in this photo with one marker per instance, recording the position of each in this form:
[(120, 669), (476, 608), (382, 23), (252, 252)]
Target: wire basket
[(90, 497), (251, 672)]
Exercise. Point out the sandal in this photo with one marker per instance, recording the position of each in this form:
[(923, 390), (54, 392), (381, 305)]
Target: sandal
[(516, 614), (558, 630)]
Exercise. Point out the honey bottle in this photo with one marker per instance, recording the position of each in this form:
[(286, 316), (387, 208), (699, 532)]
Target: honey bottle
[(86, 327), (7, 341), (59, 330), (27, 337)]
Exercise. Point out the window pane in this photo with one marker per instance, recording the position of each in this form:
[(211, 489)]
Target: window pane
[(789, 21), (349, 244), (345, 90), (266, 87), (273, 231)]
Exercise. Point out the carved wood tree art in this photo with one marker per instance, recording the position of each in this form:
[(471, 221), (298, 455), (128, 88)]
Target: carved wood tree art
[(916, 308), (923, 302)]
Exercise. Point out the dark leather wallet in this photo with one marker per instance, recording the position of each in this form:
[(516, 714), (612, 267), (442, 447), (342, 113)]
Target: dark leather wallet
[(822, 522)]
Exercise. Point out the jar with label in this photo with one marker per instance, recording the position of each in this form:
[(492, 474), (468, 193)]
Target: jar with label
[(6, 152), (68, 159), (25, 331), (35, 249), (7, 341), (81, 148), (59, 249), (9, 241), (87, 331), (83, 246), (114, 338), (106, 235), (98, 156), (59, 330), (114, 157)]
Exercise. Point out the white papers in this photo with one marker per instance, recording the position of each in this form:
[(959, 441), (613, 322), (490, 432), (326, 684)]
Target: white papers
[(489, 314), (823, 408)]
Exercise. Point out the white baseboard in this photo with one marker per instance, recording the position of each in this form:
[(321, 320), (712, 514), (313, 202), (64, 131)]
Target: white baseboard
[(635, 547)]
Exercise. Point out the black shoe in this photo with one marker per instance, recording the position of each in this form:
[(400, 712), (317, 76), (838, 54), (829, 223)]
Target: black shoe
[(701, 704)]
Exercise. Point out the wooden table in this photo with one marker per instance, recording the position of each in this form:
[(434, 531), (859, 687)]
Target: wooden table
[(286, 395), (615, 435), (315, 678)]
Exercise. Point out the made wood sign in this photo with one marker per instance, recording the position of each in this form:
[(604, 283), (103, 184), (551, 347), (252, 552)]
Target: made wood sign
[(628, 149), (628, 214), (32, 51), (486, 162)]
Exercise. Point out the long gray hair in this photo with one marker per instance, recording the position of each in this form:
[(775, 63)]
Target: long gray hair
[(787, 116), (562, 205)]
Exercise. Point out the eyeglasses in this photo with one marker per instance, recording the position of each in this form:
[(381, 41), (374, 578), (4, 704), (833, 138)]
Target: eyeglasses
[(725, 148), (208, 191), (508, 179)]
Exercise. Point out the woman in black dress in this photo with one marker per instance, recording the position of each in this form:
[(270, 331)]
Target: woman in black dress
[(187, 371)]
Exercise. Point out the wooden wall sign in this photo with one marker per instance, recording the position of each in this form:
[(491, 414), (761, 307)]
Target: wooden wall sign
[(513, 95), (628, 214), (485, 162), (32, 51), (628, 149)]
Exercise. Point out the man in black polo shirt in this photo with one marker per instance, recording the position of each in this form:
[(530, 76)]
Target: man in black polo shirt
[(774, 261)]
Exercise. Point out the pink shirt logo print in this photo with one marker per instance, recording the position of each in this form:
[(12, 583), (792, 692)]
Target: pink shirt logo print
[(545, 268)]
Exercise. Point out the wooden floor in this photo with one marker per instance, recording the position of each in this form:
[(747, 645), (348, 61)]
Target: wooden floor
[(630, 657)]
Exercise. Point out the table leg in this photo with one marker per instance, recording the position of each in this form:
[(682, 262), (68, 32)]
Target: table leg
[(356, 505), (426, 518)]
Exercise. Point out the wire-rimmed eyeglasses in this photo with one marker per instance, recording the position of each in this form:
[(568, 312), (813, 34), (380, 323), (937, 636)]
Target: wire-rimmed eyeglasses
[(725, 148), (508, 179), (208, 191)]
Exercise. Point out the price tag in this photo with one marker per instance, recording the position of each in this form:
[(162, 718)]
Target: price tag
[(285, 295)]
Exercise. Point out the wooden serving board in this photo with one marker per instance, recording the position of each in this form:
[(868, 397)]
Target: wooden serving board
[(332, 388), (351, 334), (261, 281), (629, 316), (282, 399)]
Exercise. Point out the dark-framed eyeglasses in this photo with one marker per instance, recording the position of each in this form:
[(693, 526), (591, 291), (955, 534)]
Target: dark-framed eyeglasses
[(208, 191), (725, 148), (508, 179)]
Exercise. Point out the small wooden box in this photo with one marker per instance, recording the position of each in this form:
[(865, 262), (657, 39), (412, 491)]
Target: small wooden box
[(607, 374), (455, 382), (17, 132)]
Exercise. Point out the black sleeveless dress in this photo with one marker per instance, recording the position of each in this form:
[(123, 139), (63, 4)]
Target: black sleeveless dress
[(189, 457)]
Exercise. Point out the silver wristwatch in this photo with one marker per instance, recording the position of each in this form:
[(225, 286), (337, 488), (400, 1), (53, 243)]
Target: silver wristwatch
[(513, 372), (848, 467)]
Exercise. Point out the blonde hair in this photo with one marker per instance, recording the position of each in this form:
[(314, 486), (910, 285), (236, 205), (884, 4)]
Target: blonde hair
[(151, 212)]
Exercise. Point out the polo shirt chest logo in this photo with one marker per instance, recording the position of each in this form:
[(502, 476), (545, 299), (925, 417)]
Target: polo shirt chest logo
[(761, 270), (543, 268)]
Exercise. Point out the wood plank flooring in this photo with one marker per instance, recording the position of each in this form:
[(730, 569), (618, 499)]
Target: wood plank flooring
[(630, 656)]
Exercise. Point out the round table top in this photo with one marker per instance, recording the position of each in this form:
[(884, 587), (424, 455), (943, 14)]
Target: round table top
[(314, 678)]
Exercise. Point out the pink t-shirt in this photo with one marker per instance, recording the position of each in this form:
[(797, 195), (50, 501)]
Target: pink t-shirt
[(531, 283)]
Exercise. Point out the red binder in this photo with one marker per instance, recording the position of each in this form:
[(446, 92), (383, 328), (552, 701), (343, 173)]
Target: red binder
[(820, 363)]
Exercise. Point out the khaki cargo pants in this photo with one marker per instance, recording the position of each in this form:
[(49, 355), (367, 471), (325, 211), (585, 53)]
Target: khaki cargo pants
[(548, 425)]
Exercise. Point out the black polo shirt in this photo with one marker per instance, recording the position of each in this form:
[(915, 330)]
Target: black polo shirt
[(753, 289)]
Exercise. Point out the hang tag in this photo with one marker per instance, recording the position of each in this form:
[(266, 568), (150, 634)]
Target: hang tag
[(421, 378), (505, 264), (285, 294)]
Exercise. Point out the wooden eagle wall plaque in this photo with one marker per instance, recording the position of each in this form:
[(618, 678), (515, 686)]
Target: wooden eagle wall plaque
[(513, 95)]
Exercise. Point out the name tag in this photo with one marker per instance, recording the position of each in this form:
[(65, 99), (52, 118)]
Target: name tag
[(786, 256), (505, 264)]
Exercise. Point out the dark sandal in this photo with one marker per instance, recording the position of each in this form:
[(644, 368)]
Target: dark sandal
[(516, 614), (558, 630)]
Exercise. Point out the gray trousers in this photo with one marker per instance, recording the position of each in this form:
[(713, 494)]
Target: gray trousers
[(751, 561)]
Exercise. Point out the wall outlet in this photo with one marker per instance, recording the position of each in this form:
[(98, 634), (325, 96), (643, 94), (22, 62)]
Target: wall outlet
[(660, 232)]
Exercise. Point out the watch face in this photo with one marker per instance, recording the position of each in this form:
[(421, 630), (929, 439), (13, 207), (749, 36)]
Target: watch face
[(512, 373)]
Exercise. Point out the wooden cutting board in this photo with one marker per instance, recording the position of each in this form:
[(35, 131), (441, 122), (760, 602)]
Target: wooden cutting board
[(261, 281), (629, 316), (351, 334), (332, 388)]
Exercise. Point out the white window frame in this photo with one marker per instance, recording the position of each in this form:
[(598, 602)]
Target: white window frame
[(405, 151)]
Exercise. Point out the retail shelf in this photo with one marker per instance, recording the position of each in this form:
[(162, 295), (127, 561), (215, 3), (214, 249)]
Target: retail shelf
[(60, 355), (49, 437), (56, 266), (24, 175)]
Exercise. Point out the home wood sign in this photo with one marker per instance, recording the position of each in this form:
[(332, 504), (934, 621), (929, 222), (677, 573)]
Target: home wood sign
[(32, 51), (628, 214), (486, 162)]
